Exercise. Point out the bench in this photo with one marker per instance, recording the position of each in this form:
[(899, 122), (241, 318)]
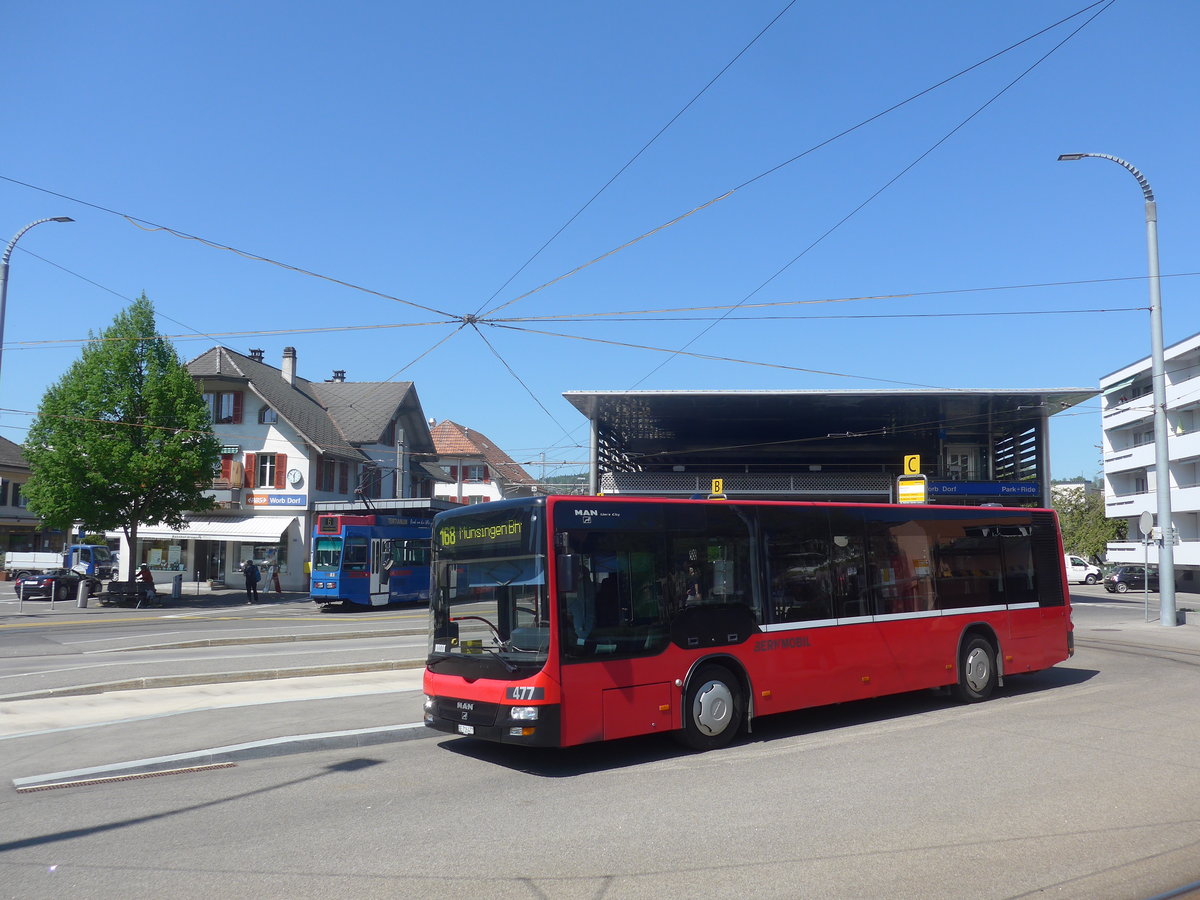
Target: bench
[(124, 593)]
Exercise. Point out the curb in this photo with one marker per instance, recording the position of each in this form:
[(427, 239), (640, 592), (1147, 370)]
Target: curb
[(216, 756), (273, 639), (161, 681)]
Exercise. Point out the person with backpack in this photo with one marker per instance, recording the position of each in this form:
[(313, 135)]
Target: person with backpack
[(250, 570)]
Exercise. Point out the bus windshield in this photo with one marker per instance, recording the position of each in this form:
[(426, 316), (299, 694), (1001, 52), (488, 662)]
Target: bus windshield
[(489, 612)]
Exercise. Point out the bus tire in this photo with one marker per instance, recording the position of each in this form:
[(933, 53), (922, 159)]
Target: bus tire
[(976, 670), (713, 709)]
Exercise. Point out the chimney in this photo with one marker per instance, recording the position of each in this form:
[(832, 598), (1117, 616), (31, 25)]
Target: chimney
[(256, 355), (339, 375), (289, 365)]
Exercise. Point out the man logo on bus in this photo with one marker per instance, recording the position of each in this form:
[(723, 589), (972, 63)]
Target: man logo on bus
[(587, 514)]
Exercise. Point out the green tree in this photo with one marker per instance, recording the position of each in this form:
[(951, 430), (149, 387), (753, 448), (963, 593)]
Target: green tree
[(123, 437), (1085, 529)]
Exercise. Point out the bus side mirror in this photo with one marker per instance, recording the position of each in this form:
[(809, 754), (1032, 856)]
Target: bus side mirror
[(569, 569)]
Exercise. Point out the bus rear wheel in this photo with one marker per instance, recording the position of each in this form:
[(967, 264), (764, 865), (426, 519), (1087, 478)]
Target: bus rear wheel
[(713, 709), (976, 671)]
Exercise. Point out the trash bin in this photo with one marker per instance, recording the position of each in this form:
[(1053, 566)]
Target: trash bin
[(81, 593), (177, 586)]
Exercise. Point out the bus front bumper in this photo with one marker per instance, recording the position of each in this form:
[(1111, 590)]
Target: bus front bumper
[(495, 722)]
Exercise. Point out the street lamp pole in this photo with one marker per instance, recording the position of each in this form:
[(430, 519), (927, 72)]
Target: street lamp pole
[(1162, 456), (4, 269)]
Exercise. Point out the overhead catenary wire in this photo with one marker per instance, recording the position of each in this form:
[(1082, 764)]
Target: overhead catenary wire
[(838, 136), (895, 178), (646, 146), (469, 319)]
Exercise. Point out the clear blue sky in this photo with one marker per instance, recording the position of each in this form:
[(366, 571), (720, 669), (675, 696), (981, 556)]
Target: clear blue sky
[(426, 151)]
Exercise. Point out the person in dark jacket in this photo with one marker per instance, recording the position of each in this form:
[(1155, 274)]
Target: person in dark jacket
[(250, 570)]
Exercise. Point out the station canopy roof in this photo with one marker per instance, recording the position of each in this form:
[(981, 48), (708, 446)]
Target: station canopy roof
[(735, 426)]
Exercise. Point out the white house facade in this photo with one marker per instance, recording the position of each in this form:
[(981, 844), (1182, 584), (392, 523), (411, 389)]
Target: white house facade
[(286, 445), (1130, 485)]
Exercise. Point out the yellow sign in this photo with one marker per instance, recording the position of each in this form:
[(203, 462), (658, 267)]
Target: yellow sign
[(910, 489), (718, 486), (912, 465)]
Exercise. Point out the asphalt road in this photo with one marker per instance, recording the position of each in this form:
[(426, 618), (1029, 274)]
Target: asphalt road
[(1077, 782)]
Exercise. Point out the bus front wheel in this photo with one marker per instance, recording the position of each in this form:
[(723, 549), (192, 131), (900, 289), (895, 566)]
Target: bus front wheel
[(976, 671), (713, 709)]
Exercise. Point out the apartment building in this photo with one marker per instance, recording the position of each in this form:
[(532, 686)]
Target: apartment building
[(1130, 486)]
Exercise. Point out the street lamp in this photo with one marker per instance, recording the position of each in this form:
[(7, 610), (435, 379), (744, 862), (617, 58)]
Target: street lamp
[(1162, 457), (4, 269)]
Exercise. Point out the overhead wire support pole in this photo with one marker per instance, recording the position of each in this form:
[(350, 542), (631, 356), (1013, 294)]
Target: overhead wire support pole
[(1167, 615)]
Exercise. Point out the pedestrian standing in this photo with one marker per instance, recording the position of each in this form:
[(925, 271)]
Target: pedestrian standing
[(274, 570), (250, 570)]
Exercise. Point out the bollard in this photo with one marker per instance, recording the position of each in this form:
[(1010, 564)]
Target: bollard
[(177, 586), (81, 593), (53, 591)]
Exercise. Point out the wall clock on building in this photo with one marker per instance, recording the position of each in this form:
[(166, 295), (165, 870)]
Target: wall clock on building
[(294, 477)]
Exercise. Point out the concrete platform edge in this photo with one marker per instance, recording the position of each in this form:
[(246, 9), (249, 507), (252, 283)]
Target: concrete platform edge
[(159, 681), (281, 746)]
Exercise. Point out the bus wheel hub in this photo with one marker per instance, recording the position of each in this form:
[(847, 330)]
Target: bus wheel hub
[(713, 707)]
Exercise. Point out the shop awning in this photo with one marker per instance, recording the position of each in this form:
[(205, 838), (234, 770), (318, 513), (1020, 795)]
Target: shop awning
[(229, 528)]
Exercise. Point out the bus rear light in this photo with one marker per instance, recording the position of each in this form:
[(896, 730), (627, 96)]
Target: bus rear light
[(523, 713), (526, 731)]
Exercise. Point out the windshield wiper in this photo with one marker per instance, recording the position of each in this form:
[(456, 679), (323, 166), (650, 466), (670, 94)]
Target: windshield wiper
[(506, 663)]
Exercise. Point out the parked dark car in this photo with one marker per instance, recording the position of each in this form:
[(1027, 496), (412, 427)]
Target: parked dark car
[(66, 584), (1129, 578)]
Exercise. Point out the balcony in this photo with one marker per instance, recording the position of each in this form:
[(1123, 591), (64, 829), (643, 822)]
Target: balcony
[(1184, 446), (1139, 409), (1130, 459), (1120, 506), (1186, 553)]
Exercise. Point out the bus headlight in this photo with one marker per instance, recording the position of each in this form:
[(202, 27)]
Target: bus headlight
[(523, 713), (428, 704)]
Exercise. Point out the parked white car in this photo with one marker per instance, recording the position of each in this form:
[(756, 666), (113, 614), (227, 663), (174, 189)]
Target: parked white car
[(1081, 572)]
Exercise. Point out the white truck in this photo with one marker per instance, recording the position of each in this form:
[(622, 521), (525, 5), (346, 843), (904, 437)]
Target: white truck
[(86, 559), (1080, 571)]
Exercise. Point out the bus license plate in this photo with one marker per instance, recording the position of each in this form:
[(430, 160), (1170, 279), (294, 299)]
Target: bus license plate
[(466, 729)]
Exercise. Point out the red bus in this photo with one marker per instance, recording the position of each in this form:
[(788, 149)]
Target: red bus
[(557, 621)]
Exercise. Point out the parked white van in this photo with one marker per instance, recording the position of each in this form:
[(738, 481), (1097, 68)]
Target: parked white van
[(1080, 571)]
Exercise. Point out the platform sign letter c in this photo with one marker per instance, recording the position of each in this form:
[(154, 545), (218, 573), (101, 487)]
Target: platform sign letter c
[(912, 465)]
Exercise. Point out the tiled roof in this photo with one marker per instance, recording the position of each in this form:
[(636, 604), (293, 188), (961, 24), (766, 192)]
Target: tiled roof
[(452, 439), (332, 416), (11, 456)]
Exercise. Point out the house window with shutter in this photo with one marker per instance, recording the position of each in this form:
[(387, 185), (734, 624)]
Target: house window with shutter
[(270, 470), (267, 416), (225, 407), (326, 474), (265, 472)]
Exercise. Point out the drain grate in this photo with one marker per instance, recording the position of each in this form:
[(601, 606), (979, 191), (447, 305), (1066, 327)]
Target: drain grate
[(110, 778)]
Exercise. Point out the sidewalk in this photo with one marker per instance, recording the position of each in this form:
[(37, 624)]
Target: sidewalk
[(125, 733)]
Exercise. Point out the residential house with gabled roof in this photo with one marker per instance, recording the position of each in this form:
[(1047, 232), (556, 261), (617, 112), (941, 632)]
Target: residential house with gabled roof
[(20, 529), (480, 470), (289, 444)]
